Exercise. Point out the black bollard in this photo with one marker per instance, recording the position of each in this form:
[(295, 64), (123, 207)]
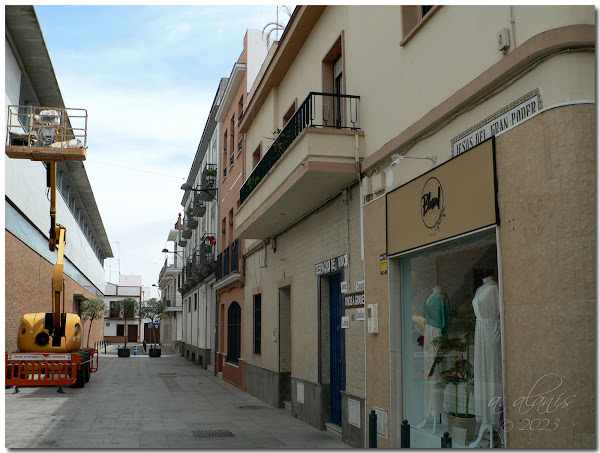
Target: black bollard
[(373, 429), (446, 440), (405, 434)]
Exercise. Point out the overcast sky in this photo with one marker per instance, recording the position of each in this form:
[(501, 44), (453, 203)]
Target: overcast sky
[(147, 76)]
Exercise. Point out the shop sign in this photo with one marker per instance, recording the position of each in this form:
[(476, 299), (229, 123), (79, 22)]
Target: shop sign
[(331, 265), (343, 287), (345, 322), (360, 285), (383, 264), (354, 300), (454, 198), (360, 314), (503, 120)]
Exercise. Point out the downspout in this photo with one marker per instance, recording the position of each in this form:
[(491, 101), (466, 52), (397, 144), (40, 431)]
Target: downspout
[(362, 257), (512, 27)]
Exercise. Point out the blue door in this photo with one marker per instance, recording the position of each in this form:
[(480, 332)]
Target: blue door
[(337, 365)]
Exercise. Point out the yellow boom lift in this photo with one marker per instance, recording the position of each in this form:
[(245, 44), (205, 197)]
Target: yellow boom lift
[(49, 344)]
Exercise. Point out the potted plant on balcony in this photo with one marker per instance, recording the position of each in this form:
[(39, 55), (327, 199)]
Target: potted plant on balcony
[(209, 243), (457, 348), (153, 310)]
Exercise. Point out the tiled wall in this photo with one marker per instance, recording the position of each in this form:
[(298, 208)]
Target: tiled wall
[(546, 174)]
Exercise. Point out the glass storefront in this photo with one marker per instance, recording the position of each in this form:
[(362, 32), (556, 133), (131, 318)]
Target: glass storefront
[(451, 350)]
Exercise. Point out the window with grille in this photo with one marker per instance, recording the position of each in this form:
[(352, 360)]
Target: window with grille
[(234, 330), (120, 330), (257, 322)]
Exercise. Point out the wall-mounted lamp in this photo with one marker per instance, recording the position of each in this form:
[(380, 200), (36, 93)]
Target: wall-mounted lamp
[(177, 253), (211, 192), (396, 158)]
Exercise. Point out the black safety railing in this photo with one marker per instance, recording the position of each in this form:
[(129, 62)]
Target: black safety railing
[(219, 266), (226, 262), (234, 256), (338, 111)]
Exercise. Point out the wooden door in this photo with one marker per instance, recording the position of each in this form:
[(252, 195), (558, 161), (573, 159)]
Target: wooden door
[(132, 333)]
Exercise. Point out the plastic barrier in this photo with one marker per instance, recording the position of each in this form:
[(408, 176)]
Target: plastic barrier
[(28, 369)]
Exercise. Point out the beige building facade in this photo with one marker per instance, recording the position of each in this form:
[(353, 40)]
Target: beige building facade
[(532, 103), (465, 159), (300, 218)]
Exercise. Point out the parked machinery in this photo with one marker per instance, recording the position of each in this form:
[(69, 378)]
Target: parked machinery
[(49, 344)]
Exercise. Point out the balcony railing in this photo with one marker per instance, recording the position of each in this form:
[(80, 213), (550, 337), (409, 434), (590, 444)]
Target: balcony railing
[(171, 262), (325, 110), (199, 266), (219, 266), (208, 181), (234, 256), (228, 261)]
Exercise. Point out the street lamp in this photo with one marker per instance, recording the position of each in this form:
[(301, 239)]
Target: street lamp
[(177, 253), (188, 186)]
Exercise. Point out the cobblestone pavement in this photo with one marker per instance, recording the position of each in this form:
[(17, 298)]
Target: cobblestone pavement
[(144, 402)]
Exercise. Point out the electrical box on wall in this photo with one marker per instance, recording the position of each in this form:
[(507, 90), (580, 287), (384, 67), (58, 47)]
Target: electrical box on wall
[(377, 182), (372, 319), (503, 40)]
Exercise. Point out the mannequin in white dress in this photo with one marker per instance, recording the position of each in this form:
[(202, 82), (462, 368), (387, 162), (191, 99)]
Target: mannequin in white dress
[(436, 313), (487, 361)]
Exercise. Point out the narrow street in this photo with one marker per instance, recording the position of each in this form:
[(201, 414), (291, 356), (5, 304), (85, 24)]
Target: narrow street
[(142, 402)]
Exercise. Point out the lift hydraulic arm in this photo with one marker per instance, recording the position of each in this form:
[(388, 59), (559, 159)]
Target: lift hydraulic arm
[(58, 239)]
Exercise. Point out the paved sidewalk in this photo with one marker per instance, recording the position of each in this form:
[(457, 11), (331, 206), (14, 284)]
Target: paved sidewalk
[(145, 402)]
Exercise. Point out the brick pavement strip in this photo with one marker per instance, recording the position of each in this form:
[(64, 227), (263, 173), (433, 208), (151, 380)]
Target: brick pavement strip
[(143, 402)]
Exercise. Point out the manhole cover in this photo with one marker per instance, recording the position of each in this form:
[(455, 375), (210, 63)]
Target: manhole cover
[(206, 433), (253, 407)]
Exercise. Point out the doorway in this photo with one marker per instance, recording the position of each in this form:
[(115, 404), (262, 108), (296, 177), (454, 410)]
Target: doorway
[(132, 333), (285, 344), (337, 363)]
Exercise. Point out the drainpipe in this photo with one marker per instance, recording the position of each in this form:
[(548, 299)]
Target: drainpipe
[(362, 256)]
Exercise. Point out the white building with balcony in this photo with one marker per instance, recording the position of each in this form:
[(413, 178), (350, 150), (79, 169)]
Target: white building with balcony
[(169, 281), (199, 241)]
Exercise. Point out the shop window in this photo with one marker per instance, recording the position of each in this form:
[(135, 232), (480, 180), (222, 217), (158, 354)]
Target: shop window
[(451, 353), (234, 329), (257, 322), (413, 18)]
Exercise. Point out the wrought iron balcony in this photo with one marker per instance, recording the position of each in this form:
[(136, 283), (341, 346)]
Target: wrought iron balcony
[(323, 110), (199, 266), (171, 267), (208, 180), (234, 256), (228, 261)]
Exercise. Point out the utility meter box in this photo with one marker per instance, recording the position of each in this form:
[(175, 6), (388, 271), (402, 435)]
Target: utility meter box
[(372, 319)]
